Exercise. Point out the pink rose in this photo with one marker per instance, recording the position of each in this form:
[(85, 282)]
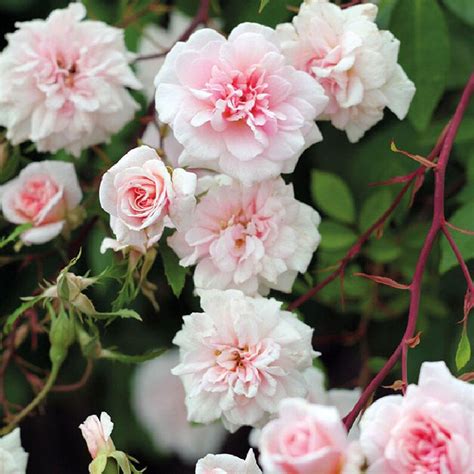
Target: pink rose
[(305, 439), (64, 80), (429, 430), (43, 194), (97, 434), (252, 238), (228, 464), (236, 105), (351, 59), (142, 198)]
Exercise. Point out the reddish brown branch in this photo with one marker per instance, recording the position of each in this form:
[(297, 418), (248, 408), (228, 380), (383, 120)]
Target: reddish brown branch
[(415, 286)]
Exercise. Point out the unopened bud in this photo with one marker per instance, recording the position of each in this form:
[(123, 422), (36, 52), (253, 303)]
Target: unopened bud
[(61, 336)]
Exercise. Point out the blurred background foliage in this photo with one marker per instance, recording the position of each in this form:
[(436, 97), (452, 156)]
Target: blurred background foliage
[(334, 176)]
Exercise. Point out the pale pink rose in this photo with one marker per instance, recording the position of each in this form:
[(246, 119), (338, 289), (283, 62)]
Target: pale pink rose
[(97, 434), (240, 357), (63, 82), (43, 194), (206, 178), (352, 59), (304, 439), (252, 238), (429, 430), (228, 464), (13, 458), (236, 105), (156, 39), (142, 198), (158, 402)]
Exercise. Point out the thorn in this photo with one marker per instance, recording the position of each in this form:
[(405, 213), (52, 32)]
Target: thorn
[(423, 161), (397, 385), (384, 281), (413, 341)]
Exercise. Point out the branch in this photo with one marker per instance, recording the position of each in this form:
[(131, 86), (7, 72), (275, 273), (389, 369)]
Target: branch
[(202, 17), (415, 286)]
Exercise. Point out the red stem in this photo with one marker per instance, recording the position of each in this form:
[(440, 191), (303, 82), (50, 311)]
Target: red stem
[(415, 287)]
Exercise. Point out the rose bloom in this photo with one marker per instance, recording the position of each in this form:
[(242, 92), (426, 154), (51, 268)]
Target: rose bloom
[(142, 197), (228, 464), (44, 194), (97, 434), (235, 105), (354, 62), (307, 438), (158, 39), (158, 402), (240, 357), (429, 430), (13, 458), (249, 238), (63, 82)]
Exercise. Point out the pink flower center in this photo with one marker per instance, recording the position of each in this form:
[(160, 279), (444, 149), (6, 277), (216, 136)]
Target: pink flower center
[(244, 368), (425, 445), (240, 96), (65, 72), (40, 200)]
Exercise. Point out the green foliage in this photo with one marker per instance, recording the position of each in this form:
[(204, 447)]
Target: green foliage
[(175, 273), (4, 241), (463, 352), (464, 9), (263, 4), (462, 218), (424, 54), (332, 195), (335, 236), (131, 359), (373, 207)]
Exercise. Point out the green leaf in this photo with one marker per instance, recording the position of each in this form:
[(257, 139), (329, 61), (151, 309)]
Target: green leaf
[(131, 359), (463, 352), (97, 466), (120, 313), (424, 54), (384, 14), (336, 236), (175, 273), (29, 303), (263, 4), (384, 250), (17, 231), (462, 218), (333, 196), (464, 9), (374, 206)]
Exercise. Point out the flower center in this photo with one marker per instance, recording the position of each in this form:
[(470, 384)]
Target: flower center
[(240, 96), (426, 444), (244, 368), (66, 72)]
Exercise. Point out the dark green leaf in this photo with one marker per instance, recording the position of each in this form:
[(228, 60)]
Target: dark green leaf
[(175, 273), (374, 206), (464, 9), (336, 236), (424, 54), (121, 313), (332, 195), (29, 303)]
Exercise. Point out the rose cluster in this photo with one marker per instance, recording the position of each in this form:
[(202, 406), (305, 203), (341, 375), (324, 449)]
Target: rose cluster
[(232, 115)]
